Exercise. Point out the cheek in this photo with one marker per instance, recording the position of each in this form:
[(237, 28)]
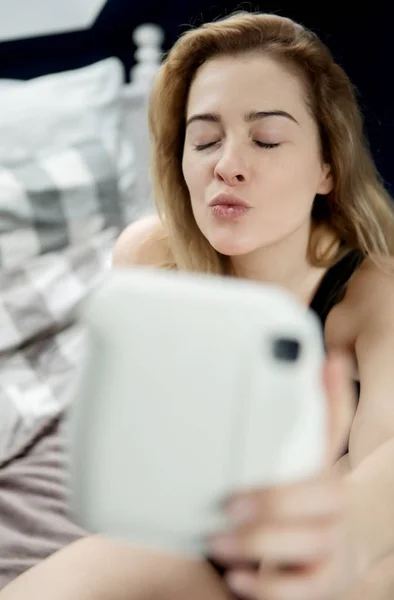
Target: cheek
[(195, 172), (291, 183)]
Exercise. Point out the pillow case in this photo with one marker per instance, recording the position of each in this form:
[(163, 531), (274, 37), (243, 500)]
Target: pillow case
[(58, 199), (42, 343), (61, 109), (67, 166)]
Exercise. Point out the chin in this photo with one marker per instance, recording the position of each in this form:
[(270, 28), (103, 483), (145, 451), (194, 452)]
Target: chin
[(231, 246), (242, 241)]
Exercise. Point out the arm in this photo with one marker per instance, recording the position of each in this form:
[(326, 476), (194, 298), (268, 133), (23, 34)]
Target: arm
[(371, 498), (376, 584), (371, 446), (99, 569), (374, 421), (90, 569), (368, 309)]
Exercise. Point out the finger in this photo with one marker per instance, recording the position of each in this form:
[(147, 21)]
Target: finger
[(341, 396), (317, 583), (275, 545), (298, 545), (245, 584), (320, 497)]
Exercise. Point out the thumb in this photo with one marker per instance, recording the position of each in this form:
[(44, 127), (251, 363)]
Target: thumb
[(341, 397)]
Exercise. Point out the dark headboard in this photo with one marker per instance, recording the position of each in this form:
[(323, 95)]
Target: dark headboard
[(361, 40), (110, 35)]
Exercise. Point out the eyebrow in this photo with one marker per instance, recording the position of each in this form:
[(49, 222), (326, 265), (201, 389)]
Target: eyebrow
[(250, 117)]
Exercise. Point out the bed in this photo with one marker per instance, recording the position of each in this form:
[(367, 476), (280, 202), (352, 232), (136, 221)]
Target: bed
[(73, 173)]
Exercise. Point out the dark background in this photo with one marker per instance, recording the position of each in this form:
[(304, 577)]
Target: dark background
[(361, 39)]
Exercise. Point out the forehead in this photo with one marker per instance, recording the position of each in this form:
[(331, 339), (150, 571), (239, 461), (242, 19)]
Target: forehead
[(245, 82)]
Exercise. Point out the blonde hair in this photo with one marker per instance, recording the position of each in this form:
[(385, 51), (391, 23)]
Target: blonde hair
[(358, 209)]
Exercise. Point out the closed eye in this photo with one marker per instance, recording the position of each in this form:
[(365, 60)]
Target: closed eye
[(201, 147), (264, 145)]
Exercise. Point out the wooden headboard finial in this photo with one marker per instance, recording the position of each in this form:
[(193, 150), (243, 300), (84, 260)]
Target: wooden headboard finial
[(148, 38)]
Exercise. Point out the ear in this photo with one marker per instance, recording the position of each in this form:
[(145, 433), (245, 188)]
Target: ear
[(326, 180)]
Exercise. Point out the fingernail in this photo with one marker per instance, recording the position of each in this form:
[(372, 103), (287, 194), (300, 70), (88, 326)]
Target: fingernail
[(242, 511)]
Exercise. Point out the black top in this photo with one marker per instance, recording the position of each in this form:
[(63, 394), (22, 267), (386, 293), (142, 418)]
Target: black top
[(330, 291), (333, 286)]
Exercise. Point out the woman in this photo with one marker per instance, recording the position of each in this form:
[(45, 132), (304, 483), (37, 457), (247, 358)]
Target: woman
[(261, 171)]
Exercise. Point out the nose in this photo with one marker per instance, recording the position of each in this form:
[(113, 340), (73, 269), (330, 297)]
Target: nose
[(231, 168)]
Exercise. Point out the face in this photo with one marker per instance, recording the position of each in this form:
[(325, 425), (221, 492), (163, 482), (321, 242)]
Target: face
[(251, 161)]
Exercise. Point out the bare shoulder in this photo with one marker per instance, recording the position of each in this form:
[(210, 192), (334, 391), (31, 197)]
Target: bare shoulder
[(143, 242), (371, 289), (368, 301)]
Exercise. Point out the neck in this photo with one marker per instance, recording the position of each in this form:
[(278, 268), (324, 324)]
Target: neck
[(284, 263)]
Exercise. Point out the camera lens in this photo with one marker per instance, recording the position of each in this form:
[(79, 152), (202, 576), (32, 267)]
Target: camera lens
[(286, 349)]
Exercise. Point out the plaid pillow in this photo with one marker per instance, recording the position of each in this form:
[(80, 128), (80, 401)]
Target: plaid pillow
[(41, 343), (58, 199)]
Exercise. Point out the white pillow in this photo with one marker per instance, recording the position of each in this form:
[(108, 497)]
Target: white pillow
[(60, 109), (51, 113)]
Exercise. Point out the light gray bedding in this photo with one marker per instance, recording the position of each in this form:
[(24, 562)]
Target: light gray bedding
[(34, 518), (56, 241)]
